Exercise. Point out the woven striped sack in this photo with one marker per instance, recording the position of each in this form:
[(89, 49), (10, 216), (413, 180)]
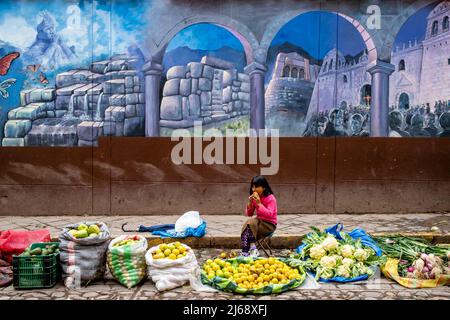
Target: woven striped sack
[(127, 263)]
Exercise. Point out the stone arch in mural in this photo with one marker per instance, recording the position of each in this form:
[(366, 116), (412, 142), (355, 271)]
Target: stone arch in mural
[(237, 29), (285, 98), (213, 91), (279, 21)]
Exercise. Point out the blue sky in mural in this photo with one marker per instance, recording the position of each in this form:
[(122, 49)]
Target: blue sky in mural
[(198, 40), (92, 25), (415, 27), (319, 32), (204, 36)]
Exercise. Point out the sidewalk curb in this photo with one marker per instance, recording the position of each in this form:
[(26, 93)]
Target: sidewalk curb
[(280, 241)]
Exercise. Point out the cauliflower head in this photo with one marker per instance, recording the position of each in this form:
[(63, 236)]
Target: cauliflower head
[(343, 271), (361, 254), (330, 243), (347, 251), (317, 252), (328, 262)]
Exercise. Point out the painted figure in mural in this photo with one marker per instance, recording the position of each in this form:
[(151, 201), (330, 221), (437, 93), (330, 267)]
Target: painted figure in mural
[(444, 121), (48, 48), (356, 126), (335, 124), (264, 203), (408, 118), (416, 129), (395, 124), (322, 125), (311, 128), (430, 124)]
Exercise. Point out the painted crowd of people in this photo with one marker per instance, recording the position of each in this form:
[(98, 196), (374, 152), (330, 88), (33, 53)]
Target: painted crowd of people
[(420, 121), (354, 121)]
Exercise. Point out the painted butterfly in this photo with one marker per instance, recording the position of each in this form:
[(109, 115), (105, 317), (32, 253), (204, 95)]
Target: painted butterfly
[(5, 62), (42, 78), (33, 67)]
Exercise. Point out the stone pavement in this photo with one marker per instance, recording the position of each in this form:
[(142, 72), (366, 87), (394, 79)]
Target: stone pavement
[(223, 230), (109, 289)]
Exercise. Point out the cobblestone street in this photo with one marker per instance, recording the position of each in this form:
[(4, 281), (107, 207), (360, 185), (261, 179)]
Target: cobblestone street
[(379, 288)]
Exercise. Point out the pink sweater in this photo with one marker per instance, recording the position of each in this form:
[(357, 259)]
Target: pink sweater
[(267, 210)]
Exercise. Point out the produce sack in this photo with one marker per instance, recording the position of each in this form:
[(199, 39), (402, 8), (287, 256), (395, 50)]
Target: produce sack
[(236, 284), (170, 272), (6, 273), (126, 259), (335, 254), (14, 242), (390, 270), (83, 259)]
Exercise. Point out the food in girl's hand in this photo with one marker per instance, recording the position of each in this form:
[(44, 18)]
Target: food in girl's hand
[(174, 250), (252, 275), (127, 241)]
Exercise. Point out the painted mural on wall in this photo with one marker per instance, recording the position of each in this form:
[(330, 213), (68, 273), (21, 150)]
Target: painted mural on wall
[(71, 71), (68, 69), (204, 81), (420, 86)]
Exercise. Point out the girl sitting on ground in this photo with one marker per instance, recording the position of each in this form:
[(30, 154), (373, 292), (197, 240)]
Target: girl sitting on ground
[(264, 203)]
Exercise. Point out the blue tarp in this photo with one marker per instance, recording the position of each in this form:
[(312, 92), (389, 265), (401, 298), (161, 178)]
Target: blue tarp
[(168, 231), (357, 233)]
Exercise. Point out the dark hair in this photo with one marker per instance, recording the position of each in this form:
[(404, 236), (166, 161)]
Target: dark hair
[(260, 181)]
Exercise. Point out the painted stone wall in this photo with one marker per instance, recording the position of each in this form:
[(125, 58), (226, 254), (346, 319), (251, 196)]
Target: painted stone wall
[(208, 91), (292, 83), (106, 99)]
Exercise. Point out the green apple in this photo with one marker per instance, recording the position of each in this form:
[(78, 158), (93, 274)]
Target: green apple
[(81, 234), (82, 227), (93, 228)]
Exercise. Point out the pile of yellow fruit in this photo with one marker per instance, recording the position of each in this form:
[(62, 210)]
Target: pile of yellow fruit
[(252, 275), (174, 250), (127, 241)]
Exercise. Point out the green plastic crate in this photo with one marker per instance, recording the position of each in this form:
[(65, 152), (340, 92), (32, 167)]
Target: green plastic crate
[(37, 271)]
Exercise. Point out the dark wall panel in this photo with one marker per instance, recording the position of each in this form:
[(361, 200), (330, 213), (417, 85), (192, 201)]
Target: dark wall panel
[(124, 176)]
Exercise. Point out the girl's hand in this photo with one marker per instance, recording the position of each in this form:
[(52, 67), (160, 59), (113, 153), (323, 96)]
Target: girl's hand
[(255, 196)]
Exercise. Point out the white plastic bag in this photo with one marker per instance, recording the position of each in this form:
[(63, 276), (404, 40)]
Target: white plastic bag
[(196, 282), (169, 274), (190, 219), (309, 283)]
